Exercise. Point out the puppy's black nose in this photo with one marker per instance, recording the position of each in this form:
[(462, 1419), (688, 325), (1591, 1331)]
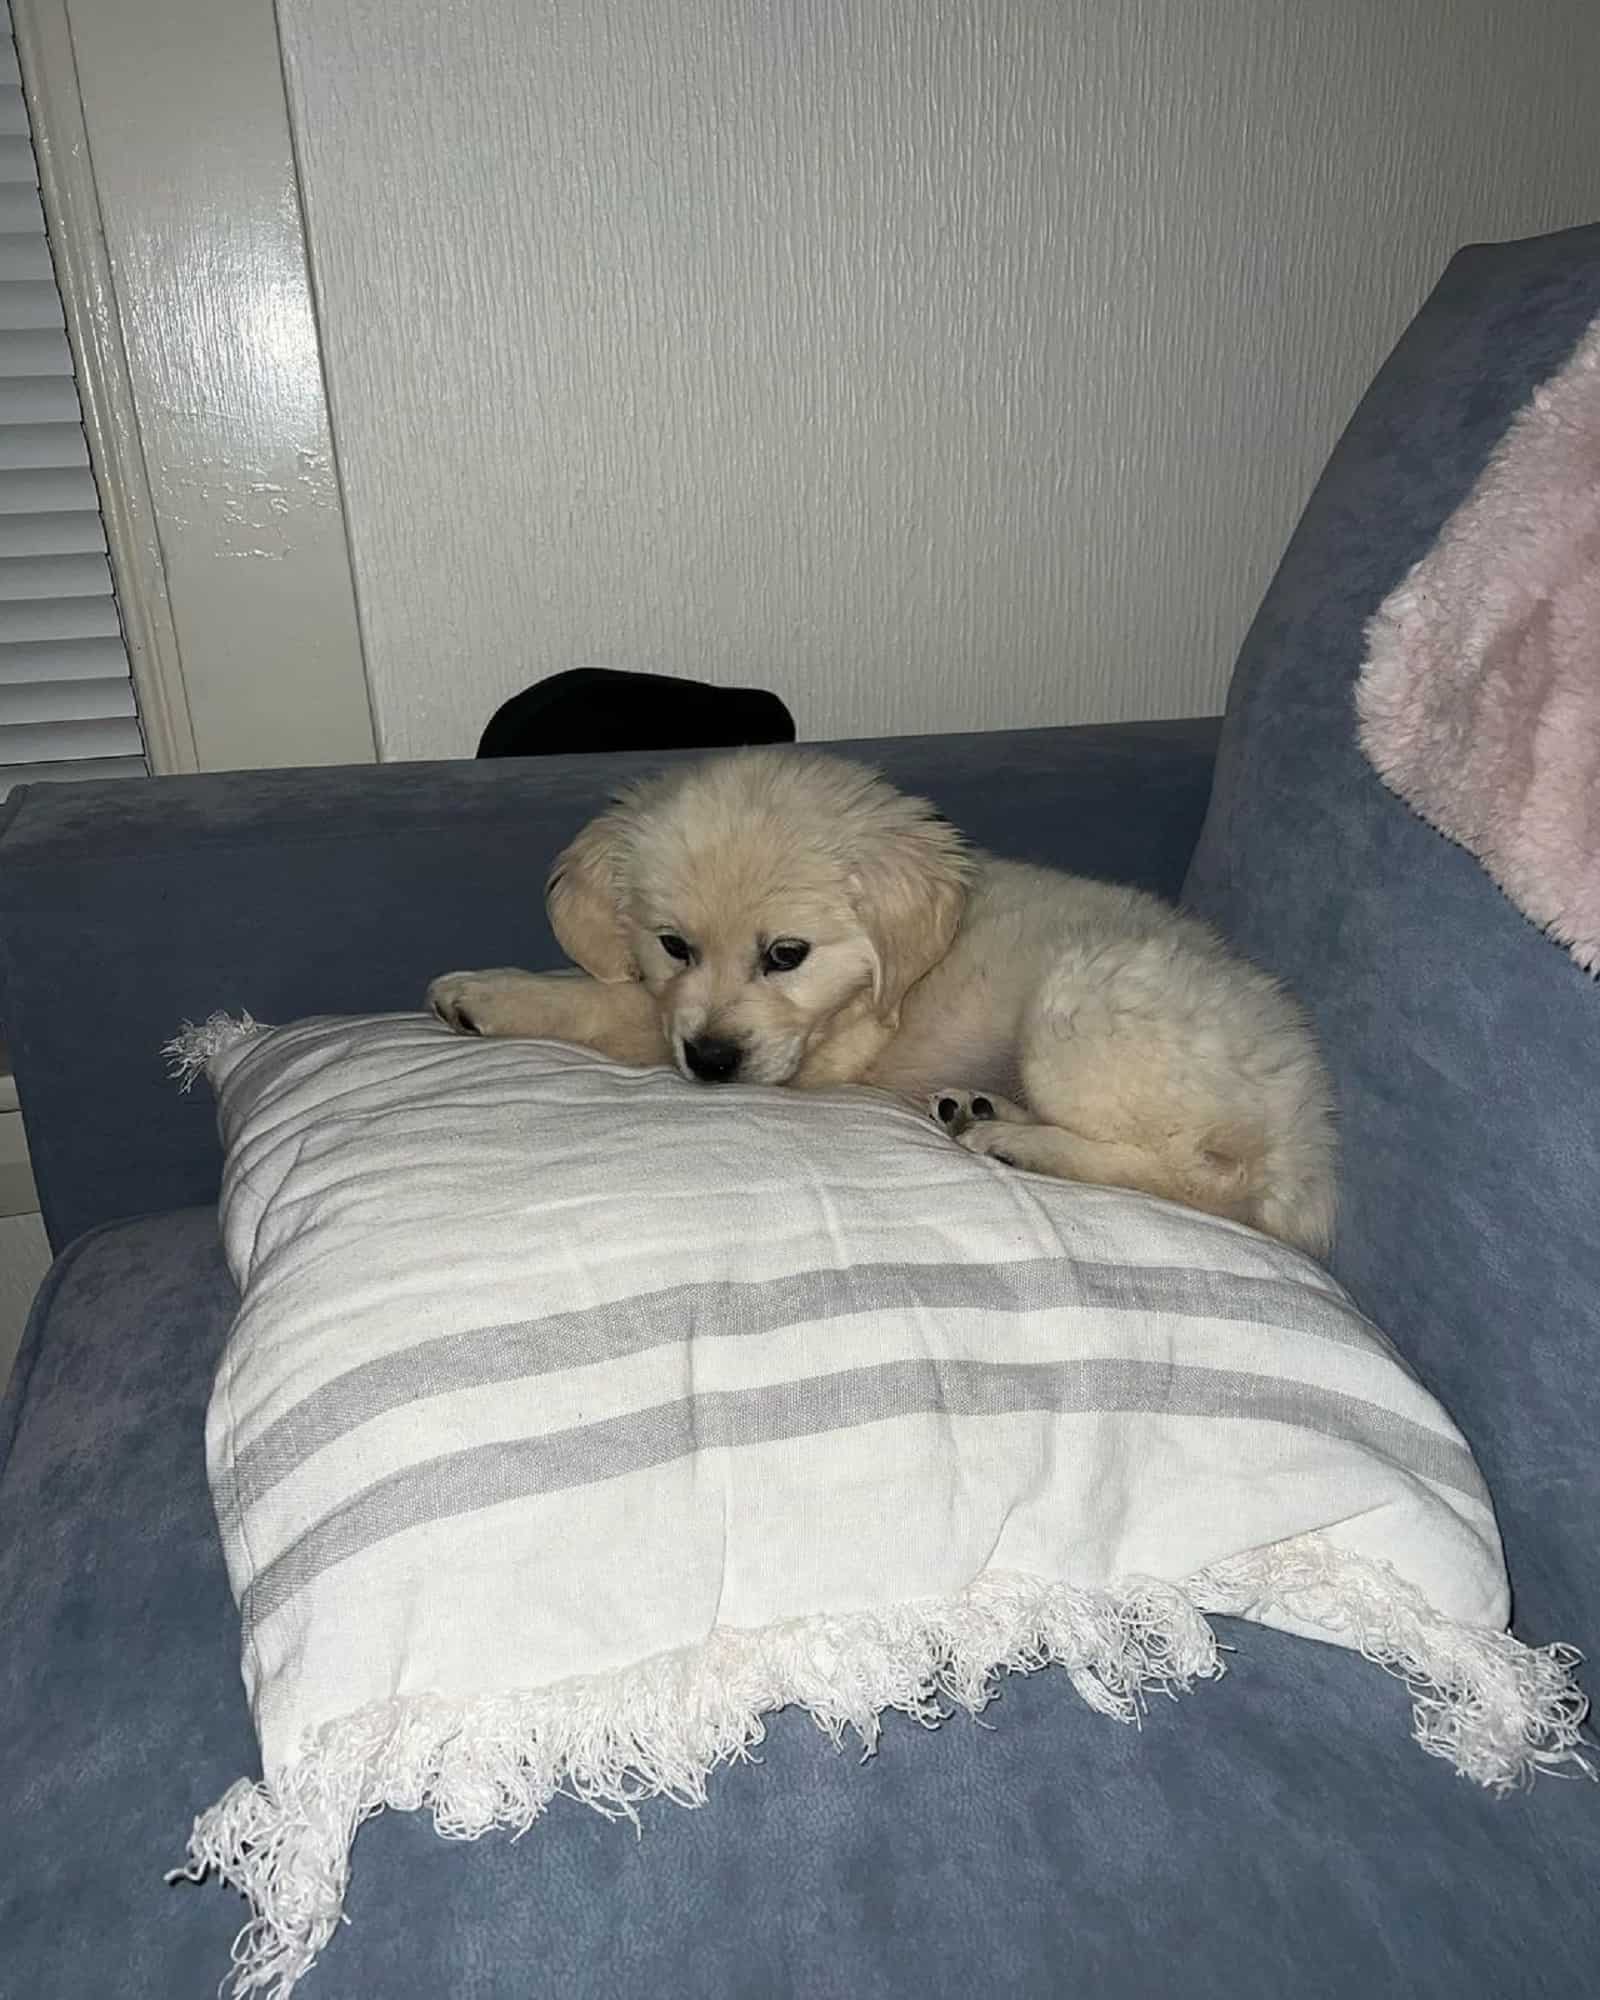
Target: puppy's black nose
[(713, 1059)]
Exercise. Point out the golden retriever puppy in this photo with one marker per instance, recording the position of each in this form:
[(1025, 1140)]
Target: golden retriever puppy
[(784, 917)]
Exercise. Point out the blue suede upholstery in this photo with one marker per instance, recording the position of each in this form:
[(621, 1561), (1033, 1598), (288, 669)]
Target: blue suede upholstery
[(126, 908), (1272, 1835), (1465, 1047)]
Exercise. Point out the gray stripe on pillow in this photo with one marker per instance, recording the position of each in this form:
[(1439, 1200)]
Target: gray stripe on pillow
[(632, 1325), (488, 1475)]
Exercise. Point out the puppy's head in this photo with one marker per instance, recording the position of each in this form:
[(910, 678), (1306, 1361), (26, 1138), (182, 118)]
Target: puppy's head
[(768, 899)]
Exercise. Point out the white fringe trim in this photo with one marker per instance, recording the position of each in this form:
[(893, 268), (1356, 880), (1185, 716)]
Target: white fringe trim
[(191, 1050), (1498, 1710)]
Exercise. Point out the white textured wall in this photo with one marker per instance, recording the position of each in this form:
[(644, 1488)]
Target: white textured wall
[(941, 364)]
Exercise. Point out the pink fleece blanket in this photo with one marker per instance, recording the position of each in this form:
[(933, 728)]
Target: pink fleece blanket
[(1479, 701)]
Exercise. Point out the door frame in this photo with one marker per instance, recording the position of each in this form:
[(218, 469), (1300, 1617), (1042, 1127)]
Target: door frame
[(167, 171)]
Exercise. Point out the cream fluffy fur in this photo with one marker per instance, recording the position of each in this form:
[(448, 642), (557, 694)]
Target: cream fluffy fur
[(1056, 1024)]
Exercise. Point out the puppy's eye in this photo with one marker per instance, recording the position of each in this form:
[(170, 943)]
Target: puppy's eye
[(675, 947), (784, 955)]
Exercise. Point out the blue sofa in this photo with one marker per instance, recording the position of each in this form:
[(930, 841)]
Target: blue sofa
[(1273, 1835)]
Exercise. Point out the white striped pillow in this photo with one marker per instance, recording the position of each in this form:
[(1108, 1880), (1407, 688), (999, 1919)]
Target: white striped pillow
[(575, 1417)]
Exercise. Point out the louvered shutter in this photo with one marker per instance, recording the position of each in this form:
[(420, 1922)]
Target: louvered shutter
[(66, 699)]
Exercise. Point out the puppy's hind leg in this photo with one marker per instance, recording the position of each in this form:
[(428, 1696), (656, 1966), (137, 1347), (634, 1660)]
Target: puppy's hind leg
[(996, 1129), (617, 1020), (1069, 1156), (1009, 1134)]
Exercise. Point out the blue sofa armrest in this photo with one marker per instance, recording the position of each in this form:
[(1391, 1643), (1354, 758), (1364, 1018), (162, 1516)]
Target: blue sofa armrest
[(1464, 1047), (127, 908)]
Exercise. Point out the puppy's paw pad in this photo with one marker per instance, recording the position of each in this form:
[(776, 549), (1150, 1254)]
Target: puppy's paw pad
[(959, 1109)]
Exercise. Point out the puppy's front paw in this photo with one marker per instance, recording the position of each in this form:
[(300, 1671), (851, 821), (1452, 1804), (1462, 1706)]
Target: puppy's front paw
[(469, 1002)]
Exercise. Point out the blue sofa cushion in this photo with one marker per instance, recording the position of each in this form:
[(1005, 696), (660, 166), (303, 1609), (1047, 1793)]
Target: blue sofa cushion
[(1270, 1834), (1465, 1047)]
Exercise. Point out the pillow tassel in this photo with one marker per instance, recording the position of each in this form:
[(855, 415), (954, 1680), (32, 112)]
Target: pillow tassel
[(195, 1044), (1498, 1710)]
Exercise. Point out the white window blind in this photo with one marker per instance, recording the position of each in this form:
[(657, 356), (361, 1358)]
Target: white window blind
[(66, 698)]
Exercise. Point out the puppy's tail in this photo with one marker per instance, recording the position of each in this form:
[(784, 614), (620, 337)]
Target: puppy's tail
[(1284, 1190)]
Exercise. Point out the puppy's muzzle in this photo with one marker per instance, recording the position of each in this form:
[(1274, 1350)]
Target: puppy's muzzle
[(713, 1058)]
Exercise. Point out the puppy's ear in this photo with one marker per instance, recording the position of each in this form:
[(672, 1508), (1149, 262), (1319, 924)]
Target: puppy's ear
[(583, 897), (910, 888)]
